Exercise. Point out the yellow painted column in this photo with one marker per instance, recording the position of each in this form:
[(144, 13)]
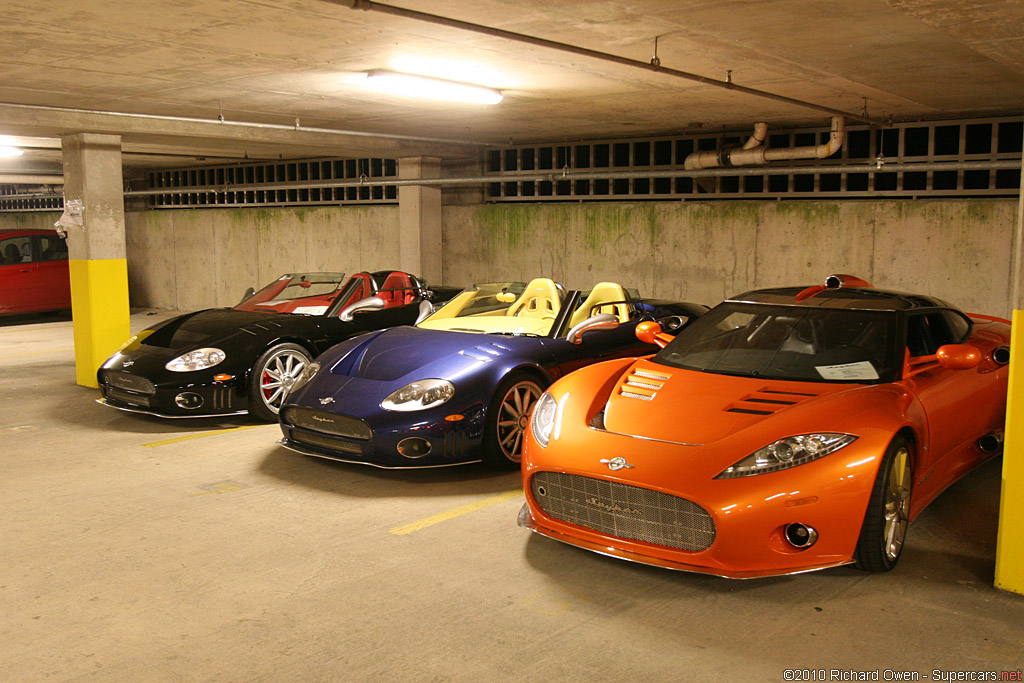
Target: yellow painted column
[(99, 304), (1010, 542), (98, 260)]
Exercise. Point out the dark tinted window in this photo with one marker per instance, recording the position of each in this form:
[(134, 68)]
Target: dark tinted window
[(52, 248), (788, 343), (926, 332)]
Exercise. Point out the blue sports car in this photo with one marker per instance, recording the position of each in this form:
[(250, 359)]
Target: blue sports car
[(458, 387)]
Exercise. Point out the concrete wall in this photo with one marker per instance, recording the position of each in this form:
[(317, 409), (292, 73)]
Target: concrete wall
[(958, 250), (191, 259)]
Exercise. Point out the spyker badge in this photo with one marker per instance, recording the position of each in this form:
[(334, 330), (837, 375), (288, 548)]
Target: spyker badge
[(325, 401), (616, 463)]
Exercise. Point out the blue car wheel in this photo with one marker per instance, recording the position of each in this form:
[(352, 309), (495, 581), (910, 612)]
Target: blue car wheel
[(507, 417)]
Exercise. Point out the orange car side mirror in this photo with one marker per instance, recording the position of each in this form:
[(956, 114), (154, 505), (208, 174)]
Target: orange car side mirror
[(958, 356), (649, 332)]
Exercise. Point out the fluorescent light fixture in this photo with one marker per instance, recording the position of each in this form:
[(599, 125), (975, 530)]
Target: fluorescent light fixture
[(6, 151), (412, 85)]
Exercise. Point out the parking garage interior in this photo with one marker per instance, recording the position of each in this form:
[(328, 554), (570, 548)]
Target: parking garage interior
[(195, 148)]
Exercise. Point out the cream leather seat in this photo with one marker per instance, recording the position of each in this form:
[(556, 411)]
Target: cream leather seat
[(605, 297), (540, 299)]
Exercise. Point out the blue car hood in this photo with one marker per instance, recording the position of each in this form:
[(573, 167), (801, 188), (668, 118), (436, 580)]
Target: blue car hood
[(412, 353)]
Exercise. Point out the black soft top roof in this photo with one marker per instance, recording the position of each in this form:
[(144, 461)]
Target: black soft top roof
[(858, 298)]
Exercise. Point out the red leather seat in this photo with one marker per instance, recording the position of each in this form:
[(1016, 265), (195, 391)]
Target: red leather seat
[(397, 290)]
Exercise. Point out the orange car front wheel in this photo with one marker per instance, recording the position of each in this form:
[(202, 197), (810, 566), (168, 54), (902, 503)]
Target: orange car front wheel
[(885, 522)]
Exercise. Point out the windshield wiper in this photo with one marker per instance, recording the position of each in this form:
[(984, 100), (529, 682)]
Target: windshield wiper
[(515, 334)]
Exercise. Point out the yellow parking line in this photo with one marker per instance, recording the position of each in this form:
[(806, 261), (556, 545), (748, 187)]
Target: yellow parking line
[(456, 512), (35, 353), (153, 444)]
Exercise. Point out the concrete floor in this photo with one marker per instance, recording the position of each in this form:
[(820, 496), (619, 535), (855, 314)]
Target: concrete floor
[(139, 549)]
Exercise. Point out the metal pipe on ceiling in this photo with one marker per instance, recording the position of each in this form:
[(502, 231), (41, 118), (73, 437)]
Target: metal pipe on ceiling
[(245, 124), (653, 66), (30, 179), (555, 176)]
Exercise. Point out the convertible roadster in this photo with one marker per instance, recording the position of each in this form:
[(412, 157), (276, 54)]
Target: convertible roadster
[(459, 386), (786, 430), (230, 361)]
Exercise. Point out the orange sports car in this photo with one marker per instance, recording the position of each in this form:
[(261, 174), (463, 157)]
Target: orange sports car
[(784, 431)]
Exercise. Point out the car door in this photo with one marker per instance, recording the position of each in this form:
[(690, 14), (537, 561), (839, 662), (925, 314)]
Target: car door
[(957, 403), (18, 276), (595, 346), (50, 260)]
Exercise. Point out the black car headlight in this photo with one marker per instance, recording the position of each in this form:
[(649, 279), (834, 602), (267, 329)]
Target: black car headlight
[(543, 418), (788, 452), (200, 359), (425, 393)]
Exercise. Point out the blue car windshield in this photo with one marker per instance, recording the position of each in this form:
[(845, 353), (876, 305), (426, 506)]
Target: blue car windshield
[(809, 344), (501, 308)]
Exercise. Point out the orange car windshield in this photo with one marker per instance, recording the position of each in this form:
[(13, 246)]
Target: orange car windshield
[(807, 344)]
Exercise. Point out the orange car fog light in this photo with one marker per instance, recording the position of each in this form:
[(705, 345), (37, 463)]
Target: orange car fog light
[(223, 378), (454, 418)]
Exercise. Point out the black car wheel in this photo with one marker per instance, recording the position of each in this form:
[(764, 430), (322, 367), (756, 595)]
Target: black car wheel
[(507, 417), (272, 377), (885, 522)]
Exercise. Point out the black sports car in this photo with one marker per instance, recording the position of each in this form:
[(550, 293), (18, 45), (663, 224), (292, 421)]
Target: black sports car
[(230, 361)]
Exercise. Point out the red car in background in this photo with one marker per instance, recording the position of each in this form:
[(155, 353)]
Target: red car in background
[(33, 272)]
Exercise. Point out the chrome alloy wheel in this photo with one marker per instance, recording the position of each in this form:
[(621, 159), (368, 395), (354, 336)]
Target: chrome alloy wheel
[(279, 373), (514, 415), (897, 504)]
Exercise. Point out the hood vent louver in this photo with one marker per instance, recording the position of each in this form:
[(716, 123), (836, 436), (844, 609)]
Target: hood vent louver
[(643, 385), (768, 401)]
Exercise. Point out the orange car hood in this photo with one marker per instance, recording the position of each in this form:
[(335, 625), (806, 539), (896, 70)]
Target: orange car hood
[(671, 404)]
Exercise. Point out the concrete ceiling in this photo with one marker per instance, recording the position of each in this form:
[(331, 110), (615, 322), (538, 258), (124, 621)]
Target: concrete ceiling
[(275, 61)]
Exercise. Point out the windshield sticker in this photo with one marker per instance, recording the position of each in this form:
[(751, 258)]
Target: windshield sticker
[(848, 371), (310, 310)]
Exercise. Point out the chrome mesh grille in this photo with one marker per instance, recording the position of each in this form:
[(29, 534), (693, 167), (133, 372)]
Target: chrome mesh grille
[(329, 423), (624, 511), (127, 397), (327, 442), (128, 381)]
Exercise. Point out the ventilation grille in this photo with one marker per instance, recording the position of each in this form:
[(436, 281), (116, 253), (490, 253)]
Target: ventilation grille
[(326, 442), (767, 401), (128, 381), (329, 423), (624, 511), (643, 384), (126, 397)]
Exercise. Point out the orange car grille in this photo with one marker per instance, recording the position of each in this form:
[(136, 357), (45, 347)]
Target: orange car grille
[(329, 423), (128, 381), (624, 511)]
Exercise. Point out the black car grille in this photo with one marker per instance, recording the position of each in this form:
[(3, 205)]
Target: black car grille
[(329, 423), (624, 511), (327, 442), (128, 381), (127, 397)]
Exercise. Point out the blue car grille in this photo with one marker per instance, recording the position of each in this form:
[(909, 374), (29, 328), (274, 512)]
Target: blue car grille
[(128, 381), (624, 511), (326, 442), (328, 423)]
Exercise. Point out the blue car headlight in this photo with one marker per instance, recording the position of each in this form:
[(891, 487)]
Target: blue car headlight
[(543, 418), (200, 359), (308, 373), (788, 452), (425, 393)]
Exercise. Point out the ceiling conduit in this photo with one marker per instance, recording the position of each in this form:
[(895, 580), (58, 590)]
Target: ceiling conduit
[(754, 153)]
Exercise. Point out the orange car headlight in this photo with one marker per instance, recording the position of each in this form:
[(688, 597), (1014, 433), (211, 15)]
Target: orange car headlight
[(543, 418), (788, 452)]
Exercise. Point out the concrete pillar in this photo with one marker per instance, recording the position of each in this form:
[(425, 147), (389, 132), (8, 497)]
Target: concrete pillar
[(97, 258), (419, 219), (1009, 548)]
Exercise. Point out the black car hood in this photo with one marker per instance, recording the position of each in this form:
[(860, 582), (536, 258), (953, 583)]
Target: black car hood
[(202, 328)]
